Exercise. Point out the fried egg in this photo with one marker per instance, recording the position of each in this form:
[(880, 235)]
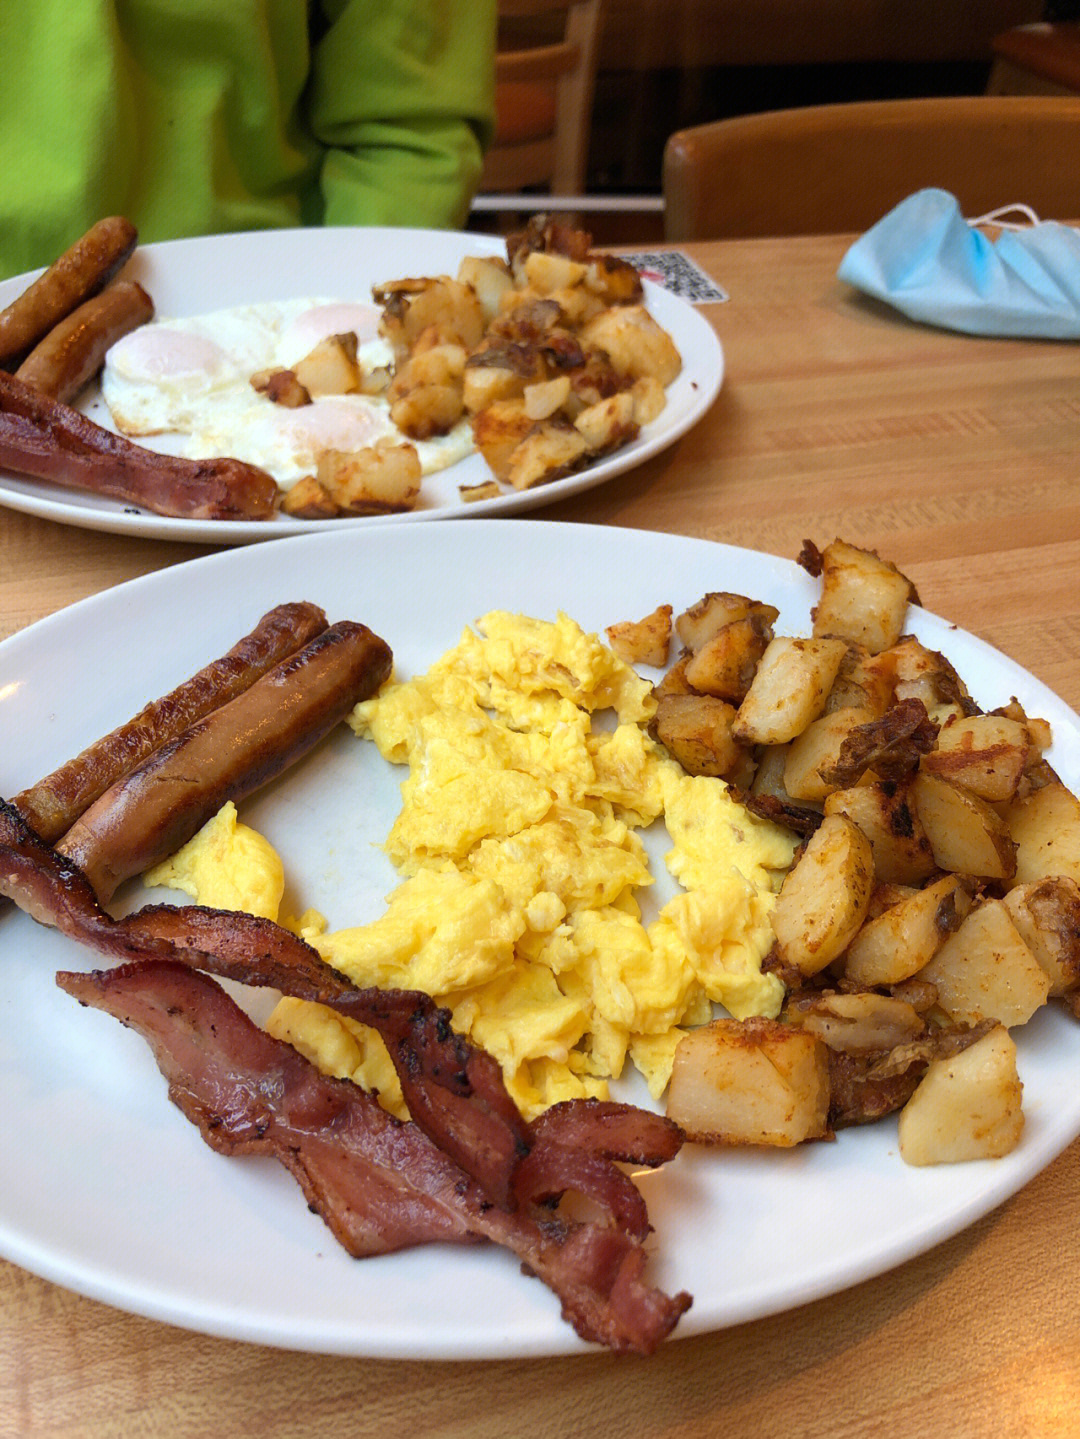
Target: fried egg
[(190, 379)]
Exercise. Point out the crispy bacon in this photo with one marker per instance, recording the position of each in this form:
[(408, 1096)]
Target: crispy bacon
[(379, 1184), (454, 1091)]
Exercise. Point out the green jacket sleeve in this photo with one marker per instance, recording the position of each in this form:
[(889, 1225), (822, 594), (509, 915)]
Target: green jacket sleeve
[(402, 97)]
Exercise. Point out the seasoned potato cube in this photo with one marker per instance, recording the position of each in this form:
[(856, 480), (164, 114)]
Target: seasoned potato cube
[(483, 385), (752, 1081), (381, 480), (649, 399), (965, 834), (697, 625), (485, 490), (428, 410), (886, 815), (789, 689), (447, 306), (1045, 827), (330, 368), (856, 1023), (643, 642), (965, 1107), (696, 730), (864, 599), (675, 681), (546, 271), (814, 752), (863, 681), (925, 675), (489, 277), (308, 500), (497, 432), (614, 279), (986, 754), (824, 898), (725, 665), (281, 387), (1046, 913), (609, 423), (984, 970), (635, 343), (546, 397), (905, 937), (549, 451)]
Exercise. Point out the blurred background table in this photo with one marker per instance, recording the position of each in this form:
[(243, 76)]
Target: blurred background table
[(957, 459)]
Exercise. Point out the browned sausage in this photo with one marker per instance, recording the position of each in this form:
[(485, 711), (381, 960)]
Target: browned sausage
[(74, 351), (80, 272), (53, 805), (50, 441), (156, 808)]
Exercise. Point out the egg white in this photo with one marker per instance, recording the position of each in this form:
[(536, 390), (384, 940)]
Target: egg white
[(191, 378)]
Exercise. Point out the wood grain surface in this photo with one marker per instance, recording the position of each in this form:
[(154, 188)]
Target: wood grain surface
[(960, 460)]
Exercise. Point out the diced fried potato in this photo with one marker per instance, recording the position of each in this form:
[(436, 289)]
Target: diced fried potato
[(864, 599), (489, 276), (649, 399), (926, 675), (485, 490), (549, 451), (483, 385), (643, 642), (448, 306), (824, 898), (769, 778), (281, 387), (608, 424), (886, 815), (697, 625), (309, 500), (635, 342), (1045, 827), (752, 1081), (968, 1106), (546, 272), (497, 432), (546, 397), (384, 479), (1046, 913), (614, 279), (331, 367), (439, 364), (725, 665), (864, 680), (905, 937), (789, 689), (675, 681), (856, 1023), (986, 754), (965, 834), (984, 970), (816, 750), (696, 730), (428, 410)]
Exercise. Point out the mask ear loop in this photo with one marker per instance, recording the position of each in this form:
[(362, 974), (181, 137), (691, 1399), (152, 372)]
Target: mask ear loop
[(993, 217)]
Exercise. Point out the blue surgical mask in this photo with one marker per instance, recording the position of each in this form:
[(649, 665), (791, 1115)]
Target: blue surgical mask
[(934, 266)]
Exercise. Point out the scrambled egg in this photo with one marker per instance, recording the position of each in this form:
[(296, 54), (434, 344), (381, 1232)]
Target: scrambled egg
[(524, 870)]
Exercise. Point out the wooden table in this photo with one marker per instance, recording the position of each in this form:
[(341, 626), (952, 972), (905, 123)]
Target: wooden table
[(958, 459)]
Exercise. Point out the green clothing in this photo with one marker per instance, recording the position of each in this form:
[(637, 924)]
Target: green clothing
[(208, 116)]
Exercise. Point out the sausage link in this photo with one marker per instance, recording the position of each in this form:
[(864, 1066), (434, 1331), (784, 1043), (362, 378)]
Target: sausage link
[(151, 812), (74, 350), (53, 805), (80, 272)]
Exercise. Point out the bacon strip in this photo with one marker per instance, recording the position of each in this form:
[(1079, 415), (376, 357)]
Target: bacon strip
[(379, 1184), (50, 441), (454, 1091)]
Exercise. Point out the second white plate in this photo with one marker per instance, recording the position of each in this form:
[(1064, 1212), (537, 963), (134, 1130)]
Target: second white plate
[(192, 277)]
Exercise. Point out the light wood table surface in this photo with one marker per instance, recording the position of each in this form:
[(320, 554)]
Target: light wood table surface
[(960, 460)]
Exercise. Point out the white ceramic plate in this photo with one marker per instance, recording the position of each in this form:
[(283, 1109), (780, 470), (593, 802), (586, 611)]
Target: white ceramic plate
[(191, 277), (110, 1191)]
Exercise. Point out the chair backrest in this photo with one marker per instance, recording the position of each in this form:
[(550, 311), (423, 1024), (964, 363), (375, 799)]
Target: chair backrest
[(545, 72), (839, 168)]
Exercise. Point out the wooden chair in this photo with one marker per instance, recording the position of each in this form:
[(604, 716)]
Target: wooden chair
[(838, 168), (1041, 59), (545, 70)]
